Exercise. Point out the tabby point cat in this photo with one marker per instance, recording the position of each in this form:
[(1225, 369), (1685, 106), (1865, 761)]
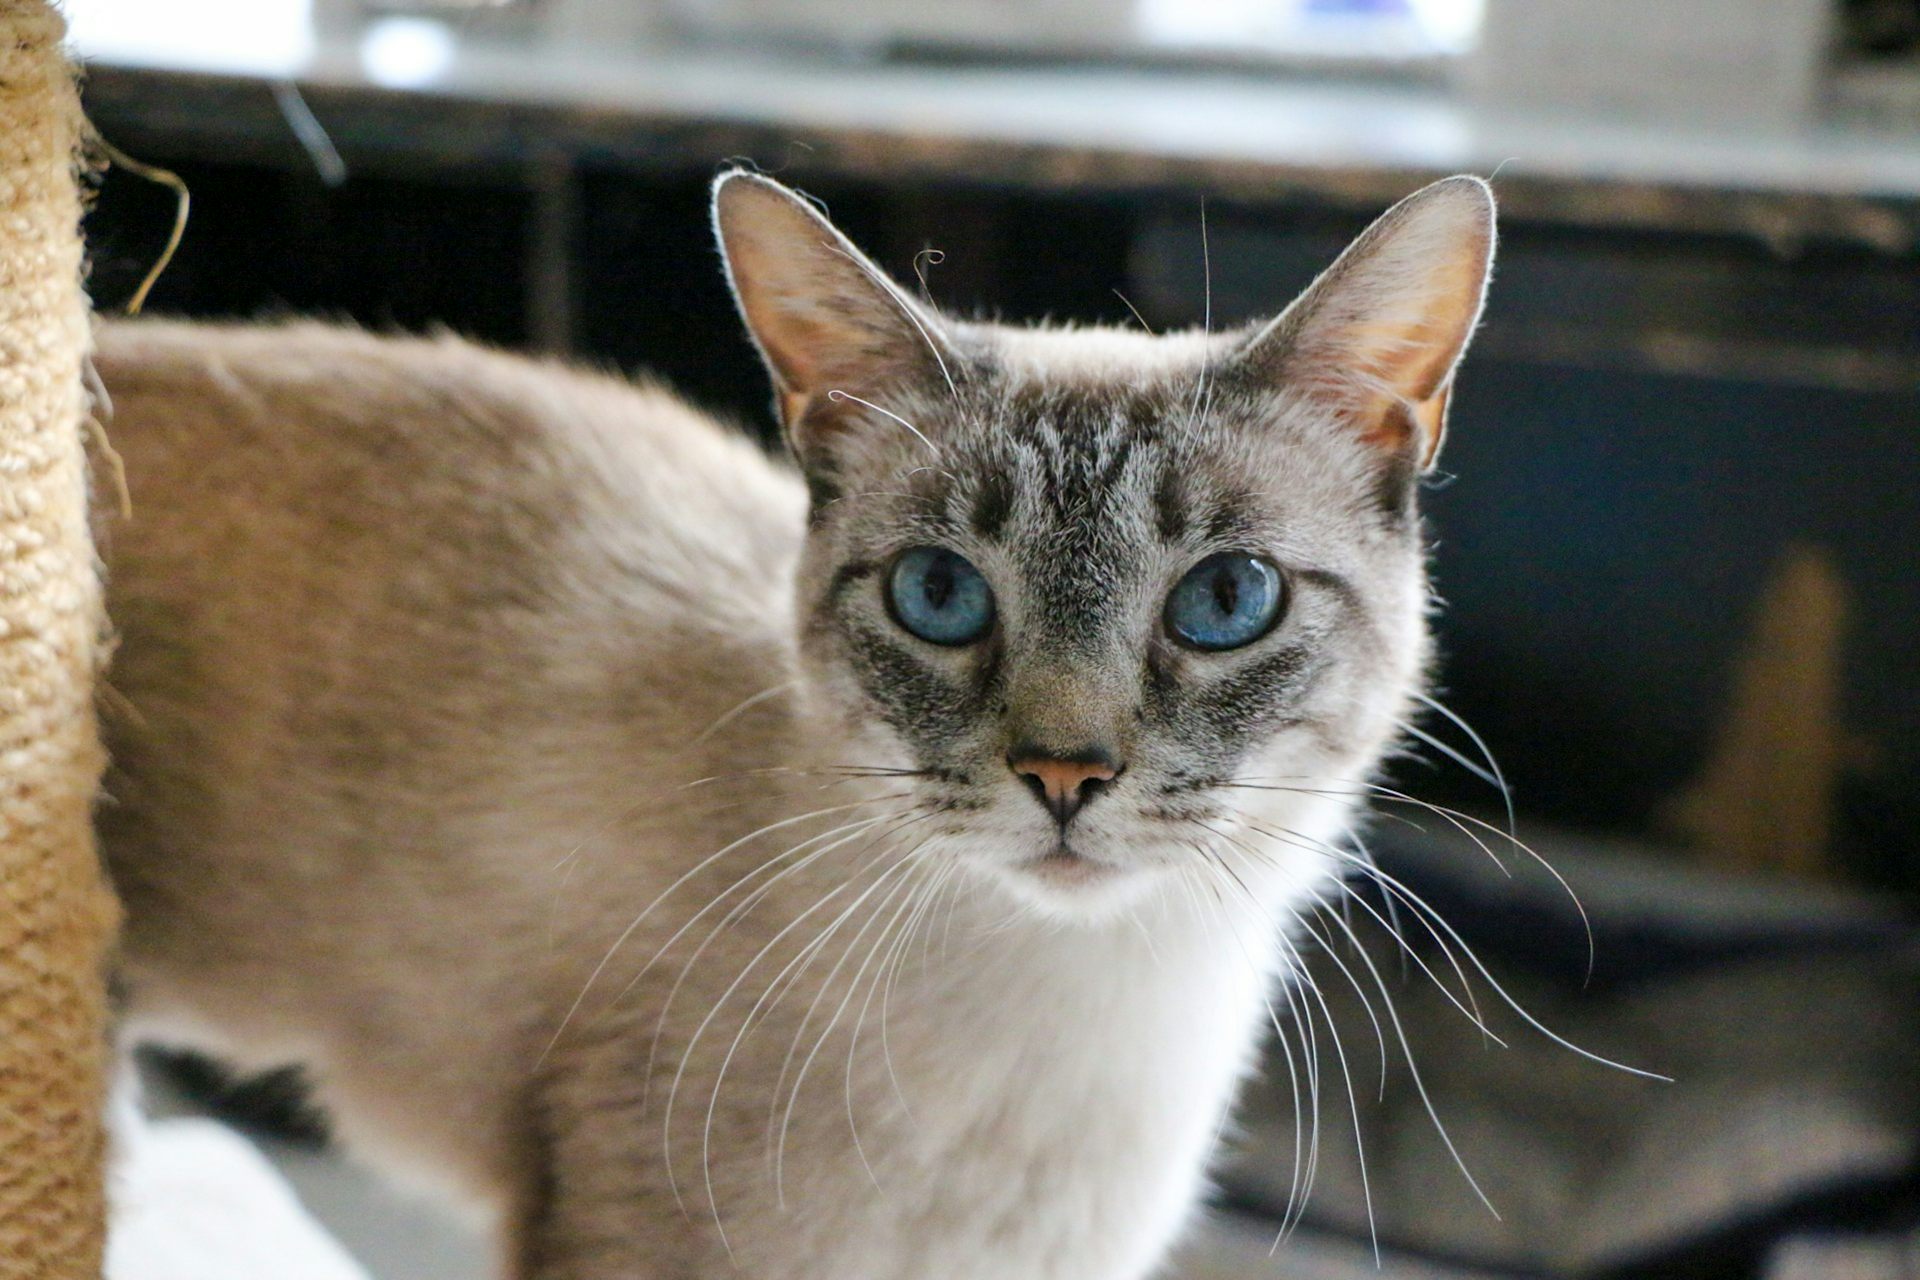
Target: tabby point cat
[(879, 870)]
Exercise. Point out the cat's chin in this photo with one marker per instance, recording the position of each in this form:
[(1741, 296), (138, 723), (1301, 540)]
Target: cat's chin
[(1067, 885), (1069, 870)]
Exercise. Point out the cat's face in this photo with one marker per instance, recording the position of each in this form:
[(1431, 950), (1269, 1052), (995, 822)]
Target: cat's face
[(1123, 603)]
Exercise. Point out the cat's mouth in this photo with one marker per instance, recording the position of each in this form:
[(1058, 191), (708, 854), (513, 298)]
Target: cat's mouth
[(1066, 868)]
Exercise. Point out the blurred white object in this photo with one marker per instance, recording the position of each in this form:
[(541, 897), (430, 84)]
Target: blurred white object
[(209, 35), (1705, 61), (1074, 24), (192, 1200), (598, 25), (170, 1159), (406, 53), (1362, 31)]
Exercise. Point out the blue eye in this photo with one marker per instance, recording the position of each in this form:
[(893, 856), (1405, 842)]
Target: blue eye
[(1226, 601), (939, 596)]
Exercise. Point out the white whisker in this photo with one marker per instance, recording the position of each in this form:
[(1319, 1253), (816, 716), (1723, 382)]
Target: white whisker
[(668, 892), (836, 395), (1396, 891), (707, 1021), (1497, 778), (786, 686), (800, 1077), (906, 309)]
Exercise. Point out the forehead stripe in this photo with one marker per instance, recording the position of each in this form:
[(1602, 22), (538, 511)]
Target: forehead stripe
[(993, 505)]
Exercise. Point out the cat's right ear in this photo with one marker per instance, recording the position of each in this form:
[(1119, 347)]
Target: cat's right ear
[(1380, 333), (839, 338)]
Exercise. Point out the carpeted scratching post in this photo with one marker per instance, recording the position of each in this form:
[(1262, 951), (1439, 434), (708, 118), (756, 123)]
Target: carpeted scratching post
[(56, 915)]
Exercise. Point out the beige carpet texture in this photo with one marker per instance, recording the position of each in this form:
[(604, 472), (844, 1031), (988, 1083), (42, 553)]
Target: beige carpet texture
[(56, 918)]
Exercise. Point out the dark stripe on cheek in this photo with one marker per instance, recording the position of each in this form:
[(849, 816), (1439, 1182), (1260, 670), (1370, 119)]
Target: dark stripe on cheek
[(1257, 695), (928, 712), (1162, 687), (986, 685)]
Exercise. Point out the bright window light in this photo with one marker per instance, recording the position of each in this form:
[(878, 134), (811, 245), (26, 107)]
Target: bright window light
[(1313, 28), (1454, 25), (406, 53), (274, 37)]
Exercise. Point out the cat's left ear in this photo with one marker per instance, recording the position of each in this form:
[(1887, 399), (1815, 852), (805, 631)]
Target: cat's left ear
[(824, 317), (1380, 333)]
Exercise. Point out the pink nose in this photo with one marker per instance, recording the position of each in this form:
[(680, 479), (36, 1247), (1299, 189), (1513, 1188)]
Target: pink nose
[(1065, 785)]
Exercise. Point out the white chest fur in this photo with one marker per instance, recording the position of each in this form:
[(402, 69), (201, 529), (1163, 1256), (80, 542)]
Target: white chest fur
[(1048, 1100)]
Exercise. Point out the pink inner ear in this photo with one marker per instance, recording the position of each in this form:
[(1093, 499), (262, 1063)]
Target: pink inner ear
[(797, 340), (823, 316), (1430, 416), (1380, 332), (1390, 345), (1390, 420)]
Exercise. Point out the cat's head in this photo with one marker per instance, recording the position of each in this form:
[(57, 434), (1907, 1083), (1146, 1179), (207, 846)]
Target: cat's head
[(1126, 603)]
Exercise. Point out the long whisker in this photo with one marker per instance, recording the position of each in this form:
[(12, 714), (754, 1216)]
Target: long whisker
[(728, 717), (798, 968), (1333, 1030), (906, 309), (1406, 1048), (713, 1100), (1471, 1008), (1505, 997), (1391, 903), (837, 395), (1521, 1011), (1135, 310), (627, 811), (800, 1077), (1307, 1125), (770, 998), (1202, 385), (828, 771), (1465, 823), (1419, 1082), (897, 963), (1318, 997), (687, 1055), (885, 945), (847, 833), (668, 892), (1498, 778), (1327, 945), (1300, 1180), (571, 861)]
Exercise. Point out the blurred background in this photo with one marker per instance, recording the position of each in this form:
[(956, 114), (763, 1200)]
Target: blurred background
[(1680, 559)]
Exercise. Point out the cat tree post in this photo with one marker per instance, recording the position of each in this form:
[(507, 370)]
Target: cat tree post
[(55, 912)]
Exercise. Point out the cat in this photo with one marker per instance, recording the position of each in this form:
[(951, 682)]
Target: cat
[(874, 867)]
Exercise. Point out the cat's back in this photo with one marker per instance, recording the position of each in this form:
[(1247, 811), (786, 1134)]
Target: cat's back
[(394, 563), (238, 435)]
